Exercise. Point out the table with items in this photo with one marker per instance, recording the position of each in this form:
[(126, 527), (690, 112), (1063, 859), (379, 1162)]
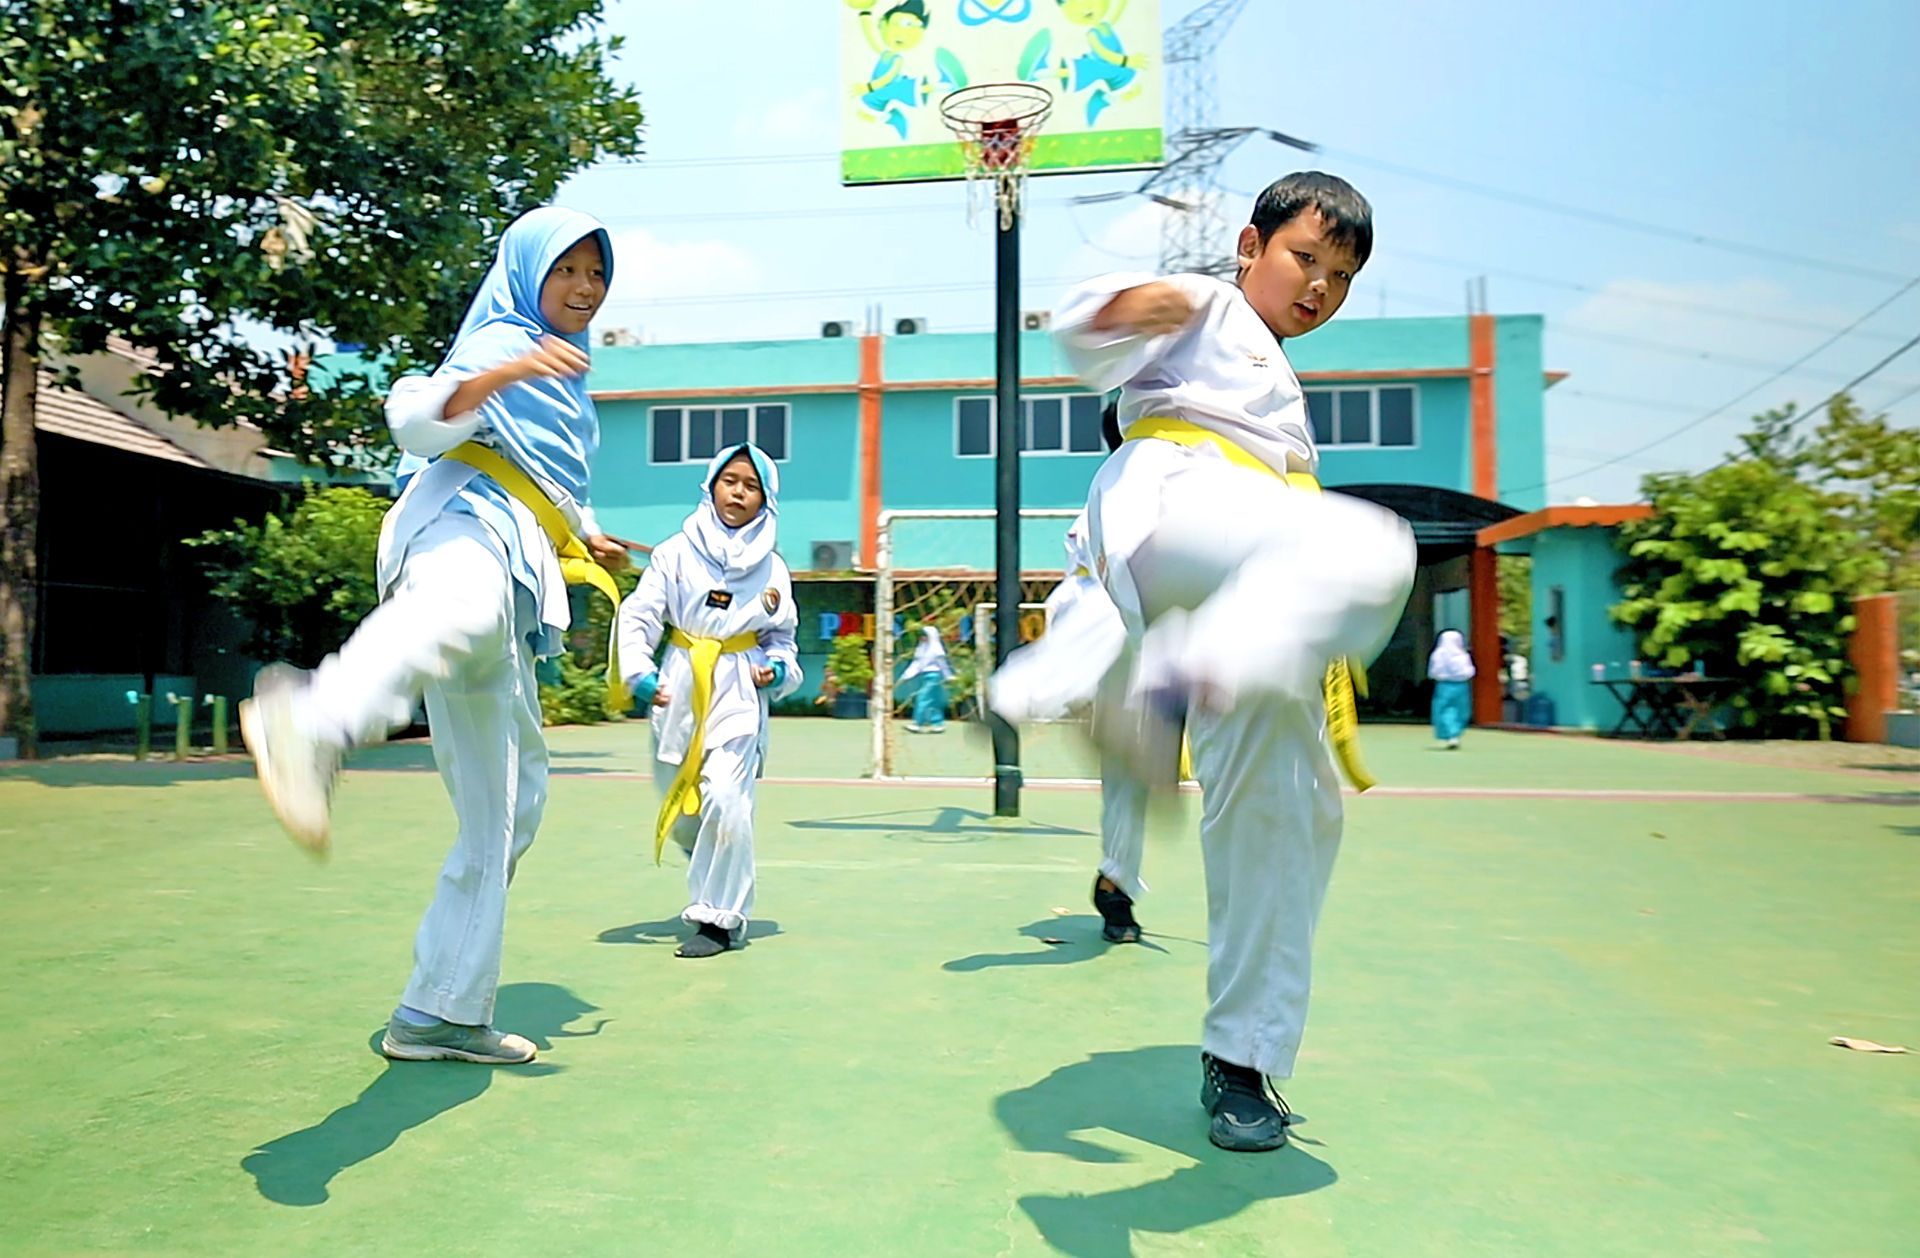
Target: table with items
[(1680, 707)]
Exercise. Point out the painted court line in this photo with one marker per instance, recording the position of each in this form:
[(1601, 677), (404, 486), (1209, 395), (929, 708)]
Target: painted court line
[(1593, 794)]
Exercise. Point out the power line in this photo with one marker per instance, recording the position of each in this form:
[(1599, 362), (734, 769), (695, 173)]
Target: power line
[(1644, 299), (1602, 217), (1620, 221), (1743, 396)]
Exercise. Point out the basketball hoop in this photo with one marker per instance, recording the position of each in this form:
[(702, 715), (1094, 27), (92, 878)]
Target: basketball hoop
[(996, 124)]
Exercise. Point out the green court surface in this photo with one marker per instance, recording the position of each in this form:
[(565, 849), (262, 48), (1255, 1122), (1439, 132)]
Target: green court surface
[(1572, 997)]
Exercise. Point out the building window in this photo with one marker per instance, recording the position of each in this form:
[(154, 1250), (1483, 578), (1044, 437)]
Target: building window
[(694, 434), (1050, 423), (1383, 416)]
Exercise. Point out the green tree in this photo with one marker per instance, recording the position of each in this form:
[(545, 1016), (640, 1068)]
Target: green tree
[(1515, 575), (1749, 569), (302, 579), (182, 175), (1874, 468)]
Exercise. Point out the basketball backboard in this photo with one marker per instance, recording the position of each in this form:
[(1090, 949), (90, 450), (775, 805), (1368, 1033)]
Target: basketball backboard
[(900, 58)]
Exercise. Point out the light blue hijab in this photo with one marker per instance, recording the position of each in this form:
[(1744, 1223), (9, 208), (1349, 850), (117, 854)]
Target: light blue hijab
[(736, 552), (546, 426)]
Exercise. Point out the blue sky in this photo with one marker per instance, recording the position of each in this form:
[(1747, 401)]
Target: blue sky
[(1776, 126)]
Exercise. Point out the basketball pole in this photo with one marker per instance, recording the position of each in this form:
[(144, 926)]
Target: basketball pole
[(1006, 499)]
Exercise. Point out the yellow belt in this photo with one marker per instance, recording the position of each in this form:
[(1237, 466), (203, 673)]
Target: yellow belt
[(1344, 676), (577, 565), (683, 796)]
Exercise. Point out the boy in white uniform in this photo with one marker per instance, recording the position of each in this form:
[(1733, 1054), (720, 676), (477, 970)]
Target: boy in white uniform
[(723, 599), (1238, 584), (473, 567)]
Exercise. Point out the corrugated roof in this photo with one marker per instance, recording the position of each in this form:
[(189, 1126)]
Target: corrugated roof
[(70, 413)]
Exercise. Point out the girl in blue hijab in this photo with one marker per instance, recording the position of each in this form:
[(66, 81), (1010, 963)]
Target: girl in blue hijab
[(723, 600), (473, 565)]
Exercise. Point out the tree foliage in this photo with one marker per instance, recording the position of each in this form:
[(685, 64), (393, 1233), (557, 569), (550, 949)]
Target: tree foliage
[(302, 579), (187, 175), (1750, 567)]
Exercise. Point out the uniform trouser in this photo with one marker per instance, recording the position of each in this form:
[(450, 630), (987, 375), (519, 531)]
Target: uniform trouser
[(1123, 805), (1240, 588), (930, 701), (1269, 831), (455, 628), (719, 842), (1452, 706)]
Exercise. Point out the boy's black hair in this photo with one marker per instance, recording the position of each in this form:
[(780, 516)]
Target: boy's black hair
[(912, 8), (1349, 218)]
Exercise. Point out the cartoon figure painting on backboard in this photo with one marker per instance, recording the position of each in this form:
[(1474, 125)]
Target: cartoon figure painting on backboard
[(892, 89), (901, 58), (1105, 72)]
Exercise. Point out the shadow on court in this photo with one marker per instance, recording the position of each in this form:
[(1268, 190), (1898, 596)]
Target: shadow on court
[(938, 825), (296, 1169), (671, 930), (1149, 1095), (1079, 936)]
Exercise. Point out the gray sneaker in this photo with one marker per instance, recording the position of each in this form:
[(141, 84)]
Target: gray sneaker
[(450, 1040), (296, 771)]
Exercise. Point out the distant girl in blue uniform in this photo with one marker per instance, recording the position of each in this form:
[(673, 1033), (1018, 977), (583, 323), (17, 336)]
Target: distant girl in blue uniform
[(1451, 668)]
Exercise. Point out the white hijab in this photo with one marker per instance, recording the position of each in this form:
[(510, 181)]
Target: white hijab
[(1450, 661), (930, 656), (735, 552)]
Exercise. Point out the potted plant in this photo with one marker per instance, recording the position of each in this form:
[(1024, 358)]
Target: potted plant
[(850, 673)]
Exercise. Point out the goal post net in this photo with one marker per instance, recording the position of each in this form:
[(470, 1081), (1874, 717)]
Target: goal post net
[(935, 567)]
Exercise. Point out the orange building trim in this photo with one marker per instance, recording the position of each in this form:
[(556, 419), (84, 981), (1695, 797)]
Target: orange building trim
[(871, 386), (1562, 517), (1485, 429)]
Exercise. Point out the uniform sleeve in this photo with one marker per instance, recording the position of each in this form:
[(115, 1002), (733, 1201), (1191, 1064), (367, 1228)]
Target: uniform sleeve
[(588, 524), (777, 642), (1105, 360), (416, 412), (641, 621)]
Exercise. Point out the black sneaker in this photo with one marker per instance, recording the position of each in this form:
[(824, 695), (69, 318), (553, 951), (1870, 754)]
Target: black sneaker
[(708, 941), (1116, 910), (1249, 1115)]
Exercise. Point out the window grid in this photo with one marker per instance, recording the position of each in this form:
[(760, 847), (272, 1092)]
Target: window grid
[(1051, 424), (694, 434), (1365, 417)]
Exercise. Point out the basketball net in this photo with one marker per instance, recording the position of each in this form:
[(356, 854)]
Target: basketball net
[(996, 125)]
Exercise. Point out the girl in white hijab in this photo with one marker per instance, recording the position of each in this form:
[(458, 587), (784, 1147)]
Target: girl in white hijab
[(1451, 668), (723, 600), (930, 701)]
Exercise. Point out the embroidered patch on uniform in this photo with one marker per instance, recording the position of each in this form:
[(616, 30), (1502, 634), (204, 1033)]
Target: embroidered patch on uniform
[(1258, 360), (722, 599), (770, 599)]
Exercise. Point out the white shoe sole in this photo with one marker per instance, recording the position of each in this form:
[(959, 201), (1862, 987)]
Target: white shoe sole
[(435, 1052), (313, 839)]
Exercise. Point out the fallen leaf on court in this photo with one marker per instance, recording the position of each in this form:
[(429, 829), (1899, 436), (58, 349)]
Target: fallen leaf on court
[(1060, 912), (1658, 835), (1646, 912), (1865, 1046), (1061, 941)]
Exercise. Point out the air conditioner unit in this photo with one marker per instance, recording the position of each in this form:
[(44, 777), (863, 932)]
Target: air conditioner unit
[(1036, 320), (832, 556), (834, 328), (909, 327), (610, 337)]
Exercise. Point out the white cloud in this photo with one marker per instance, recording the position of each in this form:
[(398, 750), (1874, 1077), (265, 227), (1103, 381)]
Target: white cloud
[(805, 122), (1129, 241), (1694, 347), (651, 269)]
